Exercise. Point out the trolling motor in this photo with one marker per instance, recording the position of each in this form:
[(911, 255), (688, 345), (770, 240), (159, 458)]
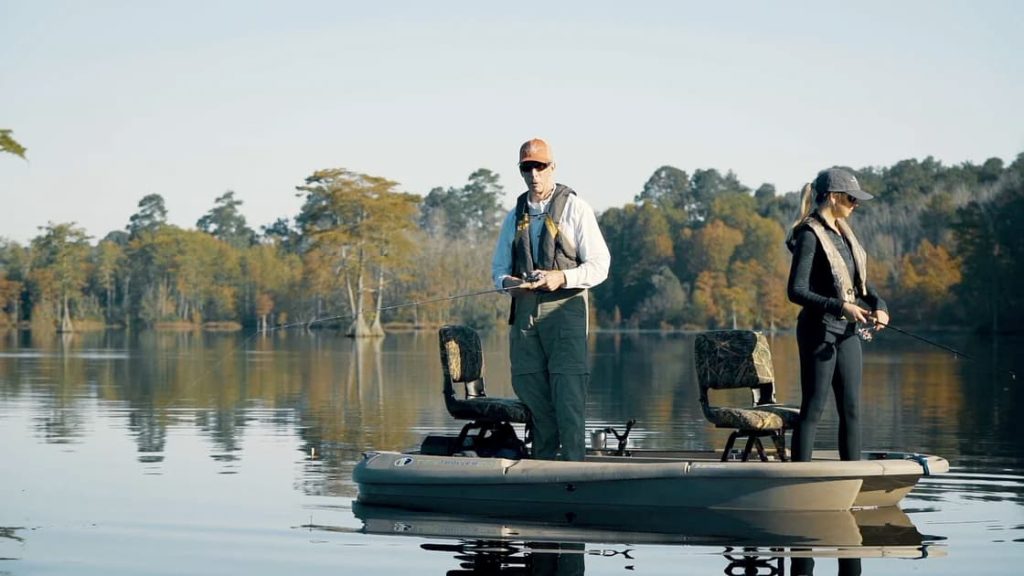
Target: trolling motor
[(599, 438)]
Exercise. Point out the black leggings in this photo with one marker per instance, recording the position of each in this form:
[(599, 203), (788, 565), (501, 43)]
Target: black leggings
[(828, 360)]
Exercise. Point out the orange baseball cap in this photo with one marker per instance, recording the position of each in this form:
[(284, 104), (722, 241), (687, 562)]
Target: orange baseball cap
[(535, 150)]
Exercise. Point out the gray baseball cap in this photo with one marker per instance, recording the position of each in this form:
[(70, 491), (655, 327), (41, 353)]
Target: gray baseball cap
[(839, 180)]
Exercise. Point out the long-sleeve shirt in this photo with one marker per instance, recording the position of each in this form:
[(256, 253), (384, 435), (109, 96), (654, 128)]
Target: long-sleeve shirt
[(811, 284), (577, 226)]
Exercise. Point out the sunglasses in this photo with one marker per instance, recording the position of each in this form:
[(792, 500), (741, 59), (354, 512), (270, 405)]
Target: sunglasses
[(850, 199), (530, 166)]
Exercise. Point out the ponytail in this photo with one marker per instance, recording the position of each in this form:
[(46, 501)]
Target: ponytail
[(807, 203)]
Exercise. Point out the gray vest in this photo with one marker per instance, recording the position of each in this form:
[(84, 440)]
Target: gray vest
[(554, 253)]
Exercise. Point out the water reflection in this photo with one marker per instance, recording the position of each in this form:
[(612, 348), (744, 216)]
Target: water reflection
[(805, 567), (864, 532), (342, 397), (485, 558), (490, 557), (546, 540)]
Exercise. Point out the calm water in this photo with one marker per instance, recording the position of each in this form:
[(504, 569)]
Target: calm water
[(213, 454)]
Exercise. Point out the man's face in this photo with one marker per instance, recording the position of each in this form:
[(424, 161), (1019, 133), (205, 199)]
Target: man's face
[(539, 177)]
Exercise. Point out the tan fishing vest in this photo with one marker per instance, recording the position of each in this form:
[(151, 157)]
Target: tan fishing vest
[(848, 289)]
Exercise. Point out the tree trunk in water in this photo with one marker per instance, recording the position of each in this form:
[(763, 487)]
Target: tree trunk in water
[(358, 328), (110, 303), (375, 328), (125, 305), (65, 318)]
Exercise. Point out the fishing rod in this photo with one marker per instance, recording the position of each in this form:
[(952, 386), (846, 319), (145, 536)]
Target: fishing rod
[(955, 352)]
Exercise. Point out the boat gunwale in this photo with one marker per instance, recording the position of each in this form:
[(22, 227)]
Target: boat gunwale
[(412, 468)]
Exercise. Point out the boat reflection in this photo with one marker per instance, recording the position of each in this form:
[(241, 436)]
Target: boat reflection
[(878, 531), (546, 541), (482, 557)]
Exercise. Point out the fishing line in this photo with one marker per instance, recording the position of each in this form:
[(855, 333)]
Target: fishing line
[(1013, 375)]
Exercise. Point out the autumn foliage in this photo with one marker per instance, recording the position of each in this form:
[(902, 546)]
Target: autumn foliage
[(689, 252)]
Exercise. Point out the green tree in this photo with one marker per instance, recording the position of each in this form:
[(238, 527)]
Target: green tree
[(271, 274), (108, 263), (9, 145), (664, 307), (669, 189), (359, 226), (10, 297), (15, 266), (706, 185), (640, 243), (225, 222), (992, 250), (152, 214), (469, 212), (61, 267)]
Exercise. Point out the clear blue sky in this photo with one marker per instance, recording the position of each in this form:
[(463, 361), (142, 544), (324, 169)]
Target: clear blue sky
[(118, 99)]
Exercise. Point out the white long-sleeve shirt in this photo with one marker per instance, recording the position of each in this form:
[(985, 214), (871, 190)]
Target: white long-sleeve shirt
[(578, 226)]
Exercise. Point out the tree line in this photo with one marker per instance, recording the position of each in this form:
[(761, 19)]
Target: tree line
[(691, 251)]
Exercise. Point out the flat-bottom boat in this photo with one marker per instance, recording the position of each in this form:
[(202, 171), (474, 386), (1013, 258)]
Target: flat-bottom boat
[(638, 479)]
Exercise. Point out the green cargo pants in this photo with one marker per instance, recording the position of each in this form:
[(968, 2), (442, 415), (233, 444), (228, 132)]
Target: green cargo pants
[(548, 350)]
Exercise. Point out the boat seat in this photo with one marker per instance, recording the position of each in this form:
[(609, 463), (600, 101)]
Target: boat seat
[(462, 363), (730, 359)]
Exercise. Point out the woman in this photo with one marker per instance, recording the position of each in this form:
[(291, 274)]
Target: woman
[(828, 278)]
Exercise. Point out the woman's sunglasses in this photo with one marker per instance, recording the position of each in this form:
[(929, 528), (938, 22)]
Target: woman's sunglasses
[(849, 198)]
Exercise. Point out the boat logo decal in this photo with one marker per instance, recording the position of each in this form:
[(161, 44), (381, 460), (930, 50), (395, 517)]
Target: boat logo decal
[(403, 461)]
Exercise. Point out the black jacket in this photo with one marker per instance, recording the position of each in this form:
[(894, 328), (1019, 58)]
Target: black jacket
[(811, 284)]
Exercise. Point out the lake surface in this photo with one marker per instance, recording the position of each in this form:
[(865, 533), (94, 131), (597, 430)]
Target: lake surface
[(192, 453)]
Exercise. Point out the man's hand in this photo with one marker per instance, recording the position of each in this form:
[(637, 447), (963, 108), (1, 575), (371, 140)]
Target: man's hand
[(548, 280), (515, 286)]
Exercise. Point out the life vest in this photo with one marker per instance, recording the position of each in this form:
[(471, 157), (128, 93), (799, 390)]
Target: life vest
[(847, 288), (555, 252)]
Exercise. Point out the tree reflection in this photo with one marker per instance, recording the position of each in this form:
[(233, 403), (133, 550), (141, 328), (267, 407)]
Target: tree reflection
[(341, 396)]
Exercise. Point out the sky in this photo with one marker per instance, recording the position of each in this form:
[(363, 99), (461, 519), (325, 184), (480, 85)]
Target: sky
[(188, 99)]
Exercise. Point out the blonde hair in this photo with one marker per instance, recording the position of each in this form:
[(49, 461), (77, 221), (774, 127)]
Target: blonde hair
[(808, 203)]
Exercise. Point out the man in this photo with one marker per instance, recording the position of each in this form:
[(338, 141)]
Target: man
[(550, 251)]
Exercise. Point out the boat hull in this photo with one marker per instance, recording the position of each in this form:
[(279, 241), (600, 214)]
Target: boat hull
[(467, 484)]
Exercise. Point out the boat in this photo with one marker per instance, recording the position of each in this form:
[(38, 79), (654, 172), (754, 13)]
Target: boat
[(640, 478), (486, 465)]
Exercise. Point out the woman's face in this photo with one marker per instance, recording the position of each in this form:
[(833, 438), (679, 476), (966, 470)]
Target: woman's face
[(843, 204)]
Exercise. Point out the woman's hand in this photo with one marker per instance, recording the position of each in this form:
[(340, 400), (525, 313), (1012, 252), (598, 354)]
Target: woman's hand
[(854, 313), (881, 318)]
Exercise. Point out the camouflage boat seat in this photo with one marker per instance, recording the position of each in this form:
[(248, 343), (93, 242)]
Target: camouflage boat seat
[(730, 359), (462, 363)]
